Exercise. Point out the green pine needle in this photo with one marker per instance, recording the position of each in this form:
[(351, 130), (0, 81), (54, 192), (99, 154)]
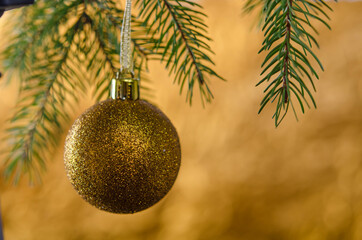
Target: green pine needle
[(288, 42), (182, 42), (63, 48)]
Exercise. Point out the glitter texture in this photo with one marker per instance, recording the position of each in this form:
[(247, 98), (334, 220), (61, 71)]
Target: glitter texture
[(122, 156)]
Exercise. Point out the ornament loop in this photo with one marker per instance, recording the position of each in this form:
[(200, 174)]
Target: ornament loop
[(125, 87)]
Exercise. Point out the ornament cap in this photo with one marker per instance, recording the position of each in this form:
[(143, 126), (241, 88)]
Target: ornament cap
[(125, 87)]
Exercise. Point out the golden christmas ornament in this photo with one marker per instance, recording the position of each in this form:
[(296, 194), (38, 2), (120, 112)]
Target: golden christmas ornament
[(122, 155)]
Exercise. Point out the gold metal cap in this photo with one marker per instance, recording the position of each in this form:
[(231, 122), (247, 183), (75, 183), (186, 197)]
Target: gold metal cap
[(125, 87)]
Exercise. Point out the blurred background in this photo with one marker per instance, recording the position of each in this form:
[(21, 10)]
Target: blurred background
[(241, 178)]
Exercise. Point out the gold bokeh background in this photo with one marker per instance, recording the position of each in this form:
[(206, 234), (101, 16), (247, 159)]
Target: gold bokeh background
[(240, 177)]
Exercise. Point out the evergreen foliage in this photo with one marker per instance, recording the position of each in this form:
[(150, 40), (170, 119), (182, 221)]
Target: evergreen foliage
[(288, 40), (61, 49)]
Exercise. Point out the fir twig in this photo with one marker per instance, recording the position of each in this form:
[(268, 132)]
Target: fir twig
[(288, 43), (45, 90), (182, 42), (62, 48)]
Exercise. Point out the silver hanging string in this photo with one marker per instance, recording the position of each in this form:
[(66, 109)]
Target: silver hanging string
[(125, 52)]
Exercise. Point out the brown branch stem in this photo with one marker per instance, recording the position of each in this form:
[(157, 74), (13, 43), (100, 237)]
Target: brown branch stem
[(287, 44)]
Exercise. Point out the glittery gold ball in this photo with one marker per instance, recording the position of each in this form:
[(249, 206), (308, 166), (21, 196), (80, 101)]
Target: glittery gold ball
[(122, 156)]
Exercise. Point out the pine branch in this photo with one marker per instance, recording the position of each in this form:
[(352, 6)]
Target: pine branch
[(288, 43), (62, 48), (57, 63), (36, 26), (46, 105), (182, 42)]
